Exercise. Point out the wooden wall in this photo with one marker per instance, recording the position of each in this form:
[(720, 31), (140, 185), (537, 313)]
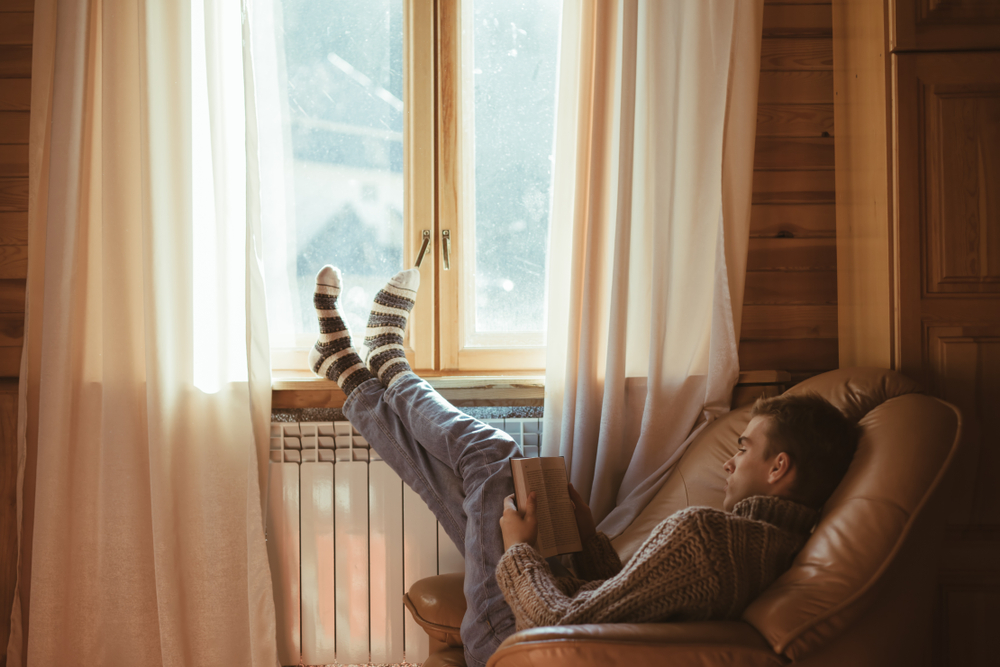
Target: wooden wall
[(790, 305), (15, 96)]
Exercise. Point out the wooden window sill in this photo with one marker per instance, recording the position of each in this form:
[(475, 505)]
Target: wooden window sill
[(298, 389)]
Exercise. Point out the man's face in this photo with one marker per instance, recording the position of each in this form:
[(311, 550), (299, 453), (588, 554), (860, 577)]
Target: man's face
[(748, 469)]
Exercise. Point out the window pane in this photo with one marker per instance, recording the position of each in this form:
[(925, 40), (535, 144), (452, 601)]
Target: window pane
[(339, 79), (516, 46)]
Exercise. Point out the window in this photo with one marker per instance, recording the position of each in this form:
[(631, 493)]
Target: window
[(388, 122)]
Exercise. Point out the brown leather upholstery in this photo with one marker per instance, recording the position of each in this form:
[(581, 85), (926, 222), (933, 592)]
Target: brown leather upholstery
[(859, 592), (437, 604)]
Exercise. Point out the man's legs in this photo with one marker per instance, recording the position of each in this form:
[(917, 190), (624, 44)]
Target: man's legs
[(460, 467)]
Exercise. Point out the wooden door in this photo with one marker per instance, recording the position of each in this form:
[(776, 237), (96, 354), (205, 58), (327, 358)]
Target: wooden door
[(959, 25), (947, 235)]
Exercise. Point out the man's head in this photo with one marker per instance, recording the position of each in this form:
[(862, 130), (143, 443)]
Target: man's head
[(795, 447)]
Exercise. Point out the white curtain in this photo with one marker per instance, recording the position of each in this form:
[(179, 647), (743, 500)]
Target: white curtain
[(145, 384), (653, 174)]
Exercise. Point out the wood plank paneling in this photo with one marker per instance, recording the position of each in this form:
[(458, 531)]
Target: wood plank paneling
[(12, 296), (15, 94), (15, 27), (793, 153), (14, 127), (8, 506), (15, 61), (798, 20), (13, 159), (10, 362), (792, 255), (793, 187), (777, 322), (808, 87), (13, 264), (11, 329), (17, 6), (13, 194), (794, 120), (14, 228), (793, 220), (802, 354), (785, 53), (782, 288)]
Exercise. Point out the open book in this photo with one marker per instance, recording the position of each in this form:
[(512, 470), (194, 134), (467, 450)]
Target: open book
[(546, 476)]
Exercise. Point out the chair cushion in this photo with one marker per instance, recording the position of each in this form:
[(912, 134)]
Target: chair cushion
[(437, 604)]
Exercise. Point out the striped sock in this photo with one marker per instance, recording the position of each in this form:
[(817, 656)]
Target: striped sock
[(333, 357), (386, 324)]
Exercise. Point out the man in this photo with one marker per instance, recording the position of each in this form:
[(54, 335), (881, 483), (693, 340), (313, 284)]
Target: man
[(699, 563)]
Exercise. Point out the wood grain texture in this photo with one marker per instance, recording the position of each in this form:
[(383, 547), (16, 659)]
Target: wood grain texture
[(14, 228), (12, 296), (946, 25), (780, 322), (794, 187), (794, 120), (789, 53), (15, 61), (783, 288), (8, 506), (16, 27), (805, 354), (13, 194), (10, 362), (807, 87), (793, 153), (15, 94), (13, 159), (798, 20), (11, 329), (792, 255), (14, 127), (13, 262), (793, 221)]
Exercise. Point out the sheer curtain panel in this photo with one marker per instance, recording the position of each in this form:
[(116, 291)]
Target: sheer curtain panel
[(652, 185), (145, 391)]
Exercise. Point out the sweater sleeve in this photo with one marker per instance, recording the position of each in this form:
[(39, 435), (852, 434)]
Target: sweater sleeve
[(670, 576), (598, 560)]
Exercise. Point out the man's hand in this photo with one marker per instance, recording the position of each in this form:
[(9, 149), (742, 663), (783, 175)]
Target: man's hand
[(518, 527), (584, 518)]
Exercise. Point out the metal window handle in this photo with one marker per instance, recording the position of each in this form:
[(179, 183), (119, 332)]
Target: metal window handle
[(425, 246), (446, 241)]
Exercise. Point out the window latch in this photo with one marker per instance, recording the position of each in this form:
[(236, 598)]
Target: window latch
[(446, 242), (425, 246)]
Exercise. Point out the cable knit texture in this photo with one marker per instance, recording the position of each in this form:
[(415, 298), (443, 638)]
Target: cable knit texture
[(698, 564)]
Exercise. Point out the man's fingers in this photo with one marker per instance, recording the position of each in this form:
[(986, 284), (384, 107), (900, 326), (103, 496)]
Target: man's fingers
[(509, 504), (529, 511)]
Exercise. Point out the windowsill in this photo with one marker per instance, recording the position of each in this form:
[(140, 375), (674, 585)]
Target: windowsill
[(301, 389)]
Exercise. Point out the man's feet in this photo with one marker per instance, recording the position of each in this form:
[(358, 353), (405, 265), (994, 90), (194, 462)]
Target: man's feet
[(333, 357), (386, 324)]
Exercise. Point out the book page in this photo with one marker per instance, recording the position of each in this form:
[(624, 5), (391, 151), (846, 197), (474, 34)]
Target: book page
[(546, 476)]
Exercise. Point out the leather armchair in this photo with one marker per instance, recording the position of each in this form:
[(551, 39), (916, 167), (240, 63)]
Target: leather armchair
[(860, 592)]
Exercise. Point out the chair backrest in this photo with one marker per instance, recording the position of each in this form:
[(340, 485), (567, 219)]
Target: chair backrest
[(907, 445)]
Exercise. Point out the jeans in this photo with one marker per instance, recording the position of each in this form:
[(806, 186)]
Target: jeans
[(460, 467)]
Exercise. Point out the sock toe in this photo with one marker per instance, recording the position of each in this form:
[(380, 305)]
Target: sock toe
[(328, 276), (409, 279)]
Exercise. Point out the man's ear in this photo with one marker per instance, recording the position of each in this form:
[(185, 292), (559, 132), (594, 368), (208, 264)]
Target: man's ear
[(781, 469)]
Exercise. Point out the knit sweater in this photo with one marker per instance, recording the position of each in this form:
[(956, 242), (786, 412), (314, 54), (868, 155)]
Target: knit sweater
[(700, 563)]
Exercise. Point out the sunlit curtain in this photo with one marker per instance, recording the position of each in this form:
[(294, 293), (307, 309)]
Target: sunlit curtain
[(145, 385), (652, 187)]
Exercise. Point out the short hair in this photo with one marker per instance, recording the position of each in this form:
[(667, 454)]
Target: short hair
[(818, 438)]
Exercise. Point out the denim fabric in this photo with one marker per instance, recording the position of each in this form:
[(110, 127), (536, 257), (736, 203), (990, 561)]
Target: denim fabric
[(460, 467)]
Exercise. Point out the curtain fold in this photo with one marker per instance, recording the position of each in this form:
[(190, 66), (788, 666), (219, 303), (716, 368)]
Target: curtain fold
[(652, 183), (145, 395)]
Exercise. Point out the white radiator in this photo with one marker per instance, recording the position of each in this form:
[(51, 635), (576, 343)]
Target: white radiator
[(346, 538)]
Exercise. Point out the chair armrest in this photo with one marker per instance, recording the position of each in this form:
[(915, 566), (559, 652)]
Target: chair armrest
[(695, 644), (437, 604)]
